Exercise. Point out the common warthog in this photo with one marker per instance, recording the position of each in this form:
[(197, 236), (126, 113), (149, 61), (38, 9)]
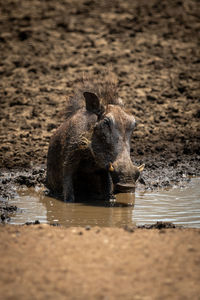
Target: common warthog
[(89, 154)]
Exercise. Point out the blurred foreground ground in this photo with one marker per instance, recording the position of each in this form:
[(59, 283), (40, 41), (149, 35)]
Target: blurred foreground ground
[(44, 262)]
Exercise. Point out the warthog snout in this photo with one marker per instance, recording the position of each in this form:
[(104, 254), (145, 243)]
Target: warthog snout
[(124, 175)]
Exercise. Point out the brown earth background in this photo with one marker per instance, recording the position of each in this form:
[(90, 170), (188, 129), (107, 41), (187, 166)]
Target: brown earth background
[(153, 48)]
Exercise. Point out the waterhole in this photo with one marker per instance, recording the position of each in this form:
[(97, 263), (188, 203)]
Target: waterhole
[(178, 205)]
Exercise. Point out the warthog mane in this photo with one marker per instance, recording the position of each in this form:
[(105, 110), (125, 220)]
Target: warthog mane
[(105, 87)]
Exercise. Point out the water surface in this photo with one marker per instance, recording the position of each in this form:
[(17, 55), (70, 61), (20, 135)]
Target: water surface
[(178, 205)]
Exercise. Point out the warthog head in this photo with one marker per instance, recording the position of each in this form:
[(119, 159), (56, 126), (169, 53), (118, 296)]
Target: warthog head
[(111, 142)]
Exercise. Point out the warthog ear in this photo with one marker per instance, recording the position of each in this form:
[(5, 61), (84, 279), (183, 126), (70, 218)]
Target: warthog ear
[(93, 103)]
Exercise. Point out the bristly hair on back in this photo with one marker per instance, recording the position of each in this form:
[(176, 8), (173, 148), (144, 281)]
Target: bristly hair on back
[(104, 86)]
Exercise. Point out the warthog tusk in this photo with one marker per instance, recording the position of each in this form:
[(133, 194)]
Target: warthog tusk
[(111, 168), (141, 168)]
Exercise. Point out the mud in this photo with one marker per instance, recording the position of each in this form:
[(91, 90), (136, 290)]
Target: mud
[(6, 211), (153, 48)]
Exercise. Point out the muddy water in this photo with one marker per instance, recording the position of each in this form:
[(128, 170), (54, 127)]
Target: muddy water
[(178, 205)]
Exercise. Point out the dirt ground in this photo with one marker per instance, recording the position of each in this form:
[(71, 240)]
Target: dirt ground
[(153, 48), (41, 262)]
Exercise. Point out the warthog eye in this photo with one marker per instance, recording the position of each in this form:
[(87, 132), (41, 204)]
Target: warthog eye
[(106, 121)]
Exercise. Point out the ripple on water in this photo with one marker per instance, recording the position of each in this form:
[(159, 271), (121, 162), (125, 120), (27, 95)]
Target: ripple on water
[(178, 205)]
